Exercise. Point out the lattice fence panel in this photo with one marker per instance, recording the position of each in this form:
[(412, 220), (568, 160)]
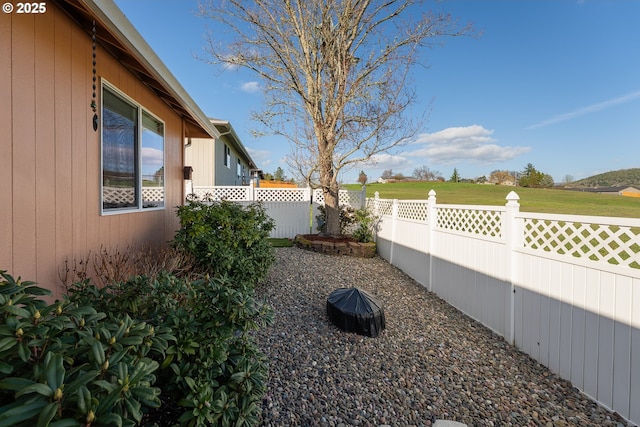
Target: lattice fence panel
[(486, 223), (345, 197), (413, 210), (282, 194), (153, 194), (117, 195), (381, 207), (614, 244), (223, 193)]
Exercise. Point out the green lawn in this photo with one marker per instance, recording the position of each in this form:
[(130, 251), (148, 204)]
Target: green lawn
[(531, 199), (280, 242)]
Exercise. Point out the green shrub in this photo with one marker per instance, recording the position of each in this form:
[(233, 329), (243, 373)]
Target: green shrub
[(227, 239), (109, 355), (357, 223), (66, 364), (347, 218), (213, 370), (365, 226)]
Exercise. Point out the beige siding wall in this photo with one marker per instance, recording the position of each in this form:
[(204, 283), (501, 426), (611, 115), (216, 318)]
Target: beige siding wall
[(50, 155), (206, 156), (200, 155)]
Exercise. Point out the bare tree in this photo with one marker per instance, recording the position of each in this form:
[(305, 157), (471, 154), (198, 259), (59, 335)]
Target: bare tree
[(388, 173), (423, 173), (501, 177), (336, 75)]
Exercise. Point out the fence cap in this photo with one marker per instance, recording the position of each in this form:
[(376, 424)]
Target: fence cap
[(512, 199)]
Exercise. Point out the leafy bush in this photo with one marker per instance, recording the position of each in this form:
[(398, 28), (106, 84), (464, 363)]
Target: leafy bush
[(365, 226), (227, 239), (110, 355), (213, 371), (66, 364), (357, 223), (347, 218)]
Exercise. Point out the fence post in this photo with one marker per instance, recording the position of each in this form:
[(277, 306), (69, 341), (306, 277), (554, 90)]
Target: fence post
[(394, 220), (363, 197), (376, 207), (308, 197), (511, 236), (431, 223)]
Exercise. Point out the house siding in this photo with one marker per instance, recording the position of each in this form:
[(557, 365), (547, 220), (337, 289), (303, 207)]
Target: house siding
[(50, 154), (206, 156), (200, 155), (228, 175)]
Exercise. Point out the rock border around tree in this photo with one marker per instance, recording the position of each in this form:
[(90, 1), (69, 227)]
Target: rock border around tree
[(335, 245)]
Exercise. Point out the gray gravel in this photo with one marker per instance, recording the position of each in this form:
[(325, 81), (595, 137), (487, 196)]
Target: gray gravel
[(431, 362)]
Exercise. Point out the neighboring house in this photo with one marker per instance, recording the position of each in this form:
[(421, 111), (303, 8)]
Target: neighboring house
[(219, 161), (625, 190), (629, 191), (69, 189)]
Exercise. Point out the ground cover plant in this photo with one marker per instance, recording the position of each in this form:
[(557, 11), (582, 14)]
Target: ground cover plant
[(542, 200), (159, 349)]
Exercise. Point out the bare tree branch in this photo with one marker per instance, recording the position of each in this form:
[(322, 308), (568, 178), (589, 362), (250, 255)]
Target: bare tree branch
[(336, 74)]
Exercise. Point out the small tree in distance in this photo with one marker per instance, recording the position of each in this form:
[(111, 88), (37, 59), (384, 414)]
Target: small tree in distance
[(362, 178), (531, 177), (278, 175), (336, 75), (455, 177)]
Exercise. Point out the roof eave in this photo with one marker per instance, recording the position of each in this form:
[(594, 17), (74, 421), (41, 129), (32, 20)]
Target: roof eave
[(112, 17), (225, 128)]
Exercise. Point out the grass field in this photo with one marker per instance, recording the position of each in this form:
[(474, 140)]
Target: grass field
[(531, 199)]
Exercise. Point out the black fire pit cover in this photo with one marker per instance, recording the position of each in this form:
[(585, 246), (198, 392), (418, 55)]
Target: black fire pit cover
[(354, 310)]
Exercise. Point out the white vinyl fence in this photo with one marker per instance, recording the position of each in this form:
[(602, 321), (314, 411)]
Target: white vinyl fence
[(294, 210), (565, 289)]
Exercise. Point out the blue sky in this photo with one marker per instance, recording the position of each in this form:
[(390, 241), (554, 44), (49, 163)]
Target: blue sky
[(552, 83)]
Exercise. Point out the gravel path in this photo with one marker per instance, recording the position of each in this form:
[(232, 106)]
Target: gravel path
[(431, 362)]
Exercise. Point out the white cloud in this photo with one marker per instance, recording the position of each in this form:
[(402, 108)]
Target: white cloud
[(587, 110), (250, 87), (459, 144), (261, 157), (388, 161), (152, 156)]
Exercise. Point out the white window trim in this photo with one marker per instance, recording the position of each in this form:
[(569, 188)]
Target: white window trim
[(140, 107)]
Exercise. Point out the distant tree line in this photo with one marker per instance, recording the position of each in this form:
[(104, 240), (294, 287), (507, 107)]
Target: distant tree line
[(528, 177), (277, 175)]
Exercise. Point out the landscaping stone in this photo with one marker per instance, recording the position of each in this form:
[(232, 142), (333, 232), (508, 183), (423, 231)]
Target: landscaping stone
[(446, 423), (430, 363), (341, 246)]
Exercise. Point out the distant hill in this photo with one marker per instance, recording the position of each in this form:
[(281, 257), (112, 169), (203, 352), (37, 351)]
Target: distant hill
[(619, 178)]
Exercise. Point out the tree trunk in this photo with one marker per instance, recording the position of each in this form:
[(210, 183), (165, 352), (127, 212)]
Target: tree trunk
[(330, 189), (332, 208)]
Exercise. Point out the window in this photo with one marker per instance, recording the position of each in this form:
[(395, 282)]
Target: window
[(239, 169), (132, 155), (227, 156)]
